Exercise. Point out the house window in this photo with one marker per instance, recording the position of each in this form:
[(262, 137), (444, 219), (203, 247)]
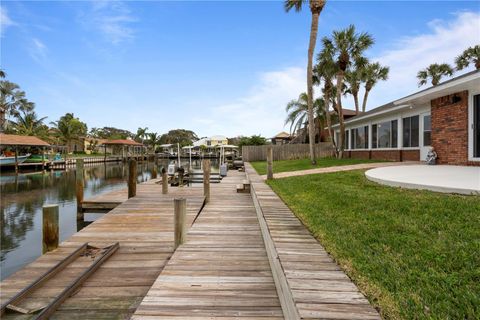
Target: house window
[(427, 131), (476, 126), (385, 134), (345, 140), (410, 132), (360, 138)]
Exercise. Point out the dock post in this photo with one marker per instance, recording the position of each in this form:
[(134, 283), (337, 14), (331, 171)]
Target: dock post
[(269, 163), (164, 181), (50, 227), (180, 214), (181, 172), (206, 179), (132, 178), (16, 159), (79, 187), (154, 172)]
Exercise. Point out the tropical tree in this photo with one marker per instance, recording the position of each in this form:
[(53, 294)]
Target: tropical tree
[(141, 134), (28, 124), (182, 136), (372, 73), (12, 100), (470, 55), (344, 47), (316, 7), (254, 140), (69, 129), (297, 113), (354, 78), (153, 139), (434, 72)]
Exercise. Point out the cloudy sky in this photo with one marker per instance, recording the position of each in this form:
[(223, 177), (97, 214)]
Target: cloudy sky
[(213, 67)]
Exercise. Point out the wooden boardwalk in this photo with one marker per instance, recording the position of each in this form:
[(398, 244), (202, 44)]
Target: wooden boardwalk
[(222, 271), (314, 286), (144, 227)]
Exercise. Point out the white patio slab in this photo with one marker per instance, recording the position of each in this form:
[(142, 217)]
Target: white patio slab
[(439, 178)]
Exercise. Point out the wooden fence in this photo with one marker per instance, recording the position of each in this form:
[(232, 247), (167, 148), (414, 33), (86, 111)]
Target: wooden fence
[(286, 151)]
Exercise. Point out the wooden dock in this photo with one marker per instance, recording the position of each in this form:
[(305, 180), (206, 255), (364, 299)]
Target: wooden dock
[(246, 256), (222, 271), (144, 227)]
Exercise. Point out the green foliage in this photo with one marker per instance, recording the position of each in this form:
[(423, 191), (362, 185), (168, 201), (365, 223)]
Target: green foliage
[(255, 140), (181, 136), (470, 55), (70, 129), (12, 101), (110, 133), (305, 164), (414, 253), (435, 72)]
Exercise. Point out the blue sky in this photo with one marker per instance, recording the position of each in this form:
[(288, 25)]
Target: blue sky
[(212, 67)]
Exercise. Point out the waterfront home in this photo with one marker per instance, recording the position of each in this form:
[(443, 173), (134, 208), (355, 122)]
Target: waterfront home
[(445, 116), (211, 141), (282, 138)]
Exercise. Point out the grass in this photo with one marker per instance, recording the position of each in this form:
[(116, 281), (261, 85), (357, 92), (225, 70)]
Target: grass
[(304, 164), (415, 254)]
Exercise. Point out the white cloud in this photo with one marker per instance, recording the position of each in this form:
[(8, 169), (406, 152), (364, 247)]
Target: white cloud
[(5, 20), (112, 18), (444, 41), (38, 50), (262, 110)]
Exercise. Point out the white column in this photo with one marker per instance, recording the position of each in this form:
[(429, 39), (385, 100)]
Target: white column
[(400, 133)]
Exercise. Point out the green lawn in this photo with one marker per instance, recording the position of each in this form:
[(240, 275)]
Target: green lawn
[(416, 254), (304, 164)]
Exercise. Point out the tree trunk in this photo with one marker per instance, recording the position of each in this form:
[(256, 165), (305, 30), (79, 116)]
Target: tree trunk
[(355, 99), (340, 76), (329, 122), (2, 120), (311, 120), (365, 97)]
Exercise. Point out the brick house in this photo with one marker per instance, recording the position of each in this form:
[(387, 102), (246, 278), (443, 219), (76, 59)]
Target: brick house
[(446, 117)]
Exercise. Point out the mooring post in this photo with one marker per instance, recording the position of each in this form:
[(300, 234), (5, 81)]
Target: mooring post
[(269, 163), (181, 172), (50, 227), (154, 172), (180, 214), (164, 181), (79, 187), (16, 159), (206, 180), (132, 178)]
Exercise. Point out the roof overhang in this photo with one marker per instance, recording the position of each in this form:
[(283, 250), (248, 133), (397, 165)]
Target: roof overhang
[(376, 114)]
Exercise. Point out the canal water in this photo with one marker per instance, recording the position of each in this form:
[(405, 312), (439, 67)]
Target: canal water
[(23, 196)]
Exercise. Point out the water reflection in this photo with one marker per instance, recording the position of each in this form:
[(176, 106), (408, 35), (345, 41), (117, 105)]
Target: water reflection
[(23, 195)]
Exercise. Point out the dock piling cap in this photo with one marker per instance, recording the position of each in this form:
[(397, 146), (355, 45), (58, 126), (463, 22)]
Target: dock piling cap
[(50, 205)]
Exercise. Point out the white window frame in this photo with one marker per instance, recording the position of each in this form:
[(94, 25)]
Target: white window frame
[(470, 125)]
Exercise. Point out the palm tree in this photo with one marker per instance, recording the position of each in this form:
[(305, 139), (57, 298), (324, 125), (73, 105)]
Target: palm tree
[(354, 78), (297, 113), (435, 72), (69, 129), (316, 7), (12, 100), (28, 124), (372, 73), (141, 134), (468, 56), (153, 139), (346, 45)]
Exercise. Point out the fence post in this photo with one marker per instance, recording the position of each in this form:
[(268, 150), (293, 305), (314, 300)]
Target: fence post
[(180, 213), (79, 185), (132, 178), (206, 180), (269, 163), (164, 181), (50, 227)]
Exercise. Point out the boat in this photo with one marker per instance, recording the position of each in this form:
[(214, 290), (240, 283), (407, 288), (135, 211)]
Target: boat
[(10, 161)]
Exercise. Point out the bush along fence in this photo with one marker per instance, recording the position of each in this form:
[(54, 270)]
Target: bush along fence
[(286, 151)]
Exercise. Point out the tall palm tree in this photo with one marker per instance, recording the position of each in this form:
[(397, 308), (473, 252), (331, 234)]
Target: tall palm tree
[(153, 139), (316, 7), (372, 73), (297, 113), (12, 100), (344, 46), (354, 78), (435, 72), (69, 129), (468, 56), (141, 134)]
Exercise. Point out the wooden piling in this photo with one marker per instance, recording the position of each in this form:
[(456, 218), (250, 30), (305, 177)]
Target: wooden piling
[(16, 159), (79, 185), (269, 163), (180, 214), (181, 173), (154, 172), (164, 181), (50, 227), (206, 179), (132, 178)]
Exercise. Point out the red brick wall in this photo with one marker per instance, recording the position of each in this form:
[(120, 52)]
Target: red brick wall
[(450, 128), (411, 155), (360, 154), (391, 155)]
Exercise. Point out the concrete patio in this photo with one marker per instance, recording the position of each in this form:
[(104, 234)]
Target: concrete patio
[(439, 178)]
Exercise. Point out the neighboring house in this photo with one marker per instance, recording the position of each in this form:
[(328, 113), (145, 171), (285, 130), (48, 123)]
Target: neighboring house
[(92, 145), (282, 138), (446, 117), (212, 141)]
